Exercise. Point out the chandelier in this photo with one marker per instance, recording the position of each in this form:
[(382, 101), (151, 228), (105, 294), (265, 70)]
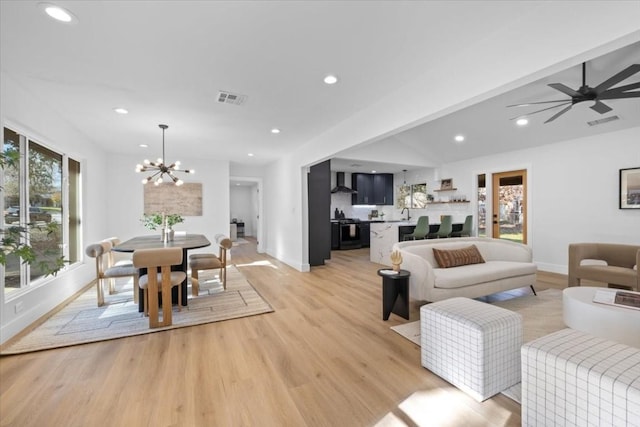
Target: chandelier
[(159, 169)]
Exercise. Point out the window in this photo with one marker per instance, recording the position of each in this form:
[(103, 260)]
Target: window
[(36, 199), (412, 196)]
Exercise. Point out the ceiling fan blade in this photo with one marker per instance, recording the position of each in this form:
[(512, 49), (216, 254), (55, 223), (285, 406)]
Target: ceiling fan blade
[(621, 95), (627, 72), (564, 89), (621, 92), (558, 114), (600, 107), (540, 111), (535, 103)]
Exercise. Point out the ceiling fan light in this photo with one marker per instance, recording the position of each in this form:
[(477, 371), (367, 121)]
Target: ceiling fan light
[(522, 121)]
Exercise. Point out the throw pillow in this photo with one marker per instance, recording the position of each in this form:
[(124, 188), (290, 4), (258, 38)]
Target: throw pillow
[(457, 257)]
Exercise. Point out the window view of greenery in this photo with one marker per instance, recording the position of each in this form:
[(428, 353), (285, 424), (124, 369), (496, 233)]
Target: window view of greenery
[(412, 196), (511, 214), (11, 187), (419, 196), (33, 210)]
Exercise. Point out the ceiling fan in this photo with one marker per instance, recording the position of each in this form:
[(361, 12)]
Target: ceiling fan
[(597, 94)]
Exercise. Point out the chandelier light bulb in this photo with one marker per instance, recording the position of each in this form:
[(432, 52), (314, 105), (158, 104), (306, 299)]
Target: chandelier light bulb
[(146, 161), (179, 182)]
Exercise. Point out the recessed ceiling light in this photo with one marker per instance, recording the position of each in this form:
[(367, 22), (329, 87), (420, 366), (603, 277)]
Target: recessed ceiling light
[(522, 122), (121, 110), (250, 154), (143, 146), (275, 130), (331, 79), (459, 138), (58, 13), (373, 171)]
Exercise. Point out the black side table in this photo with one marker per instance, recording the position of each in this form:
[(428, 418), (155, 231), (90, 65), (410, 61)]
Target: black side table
[(395, 293)]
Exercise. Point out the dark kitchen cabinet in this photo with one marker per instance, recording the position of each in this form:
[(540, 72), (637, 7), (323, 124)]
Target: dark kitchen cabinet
[(372, 189), (365, 234), (319, 206), (363, 184), (335, 235), (383, 189)]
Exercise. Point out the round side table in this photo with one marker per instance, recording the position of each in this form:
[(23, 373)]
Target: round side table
[(395, 293)]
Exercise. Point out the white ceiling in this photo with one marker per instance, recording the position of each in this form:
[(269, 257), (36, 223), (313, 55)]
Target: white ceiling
[(165, 61), (488, 127)]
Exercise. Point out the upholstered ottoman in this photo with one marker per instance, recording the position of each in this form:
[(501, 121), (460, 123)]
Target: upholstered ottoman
[(473, 345), (573, 378)]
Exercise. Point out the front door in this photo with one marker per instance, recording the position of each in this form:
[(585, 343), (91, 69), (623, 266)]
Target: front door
[(510, 206)]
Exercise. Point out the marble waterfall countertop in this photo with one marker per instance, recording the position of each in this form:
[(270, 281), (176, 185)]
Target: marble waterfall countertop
[(383, 236)]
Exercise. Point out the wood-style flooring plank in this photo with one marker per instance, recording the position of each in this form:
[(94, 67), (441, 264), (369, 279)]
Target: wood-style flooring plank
[(325, 357)]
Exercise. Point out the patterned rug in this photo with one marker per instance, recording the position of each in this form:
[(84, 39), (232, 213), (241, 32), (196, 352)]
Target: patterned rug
[(541, 315), (82, 321)]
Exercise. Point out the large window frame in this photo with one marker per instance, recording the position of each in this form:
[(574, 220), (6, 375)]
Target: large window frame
[(67, 191)]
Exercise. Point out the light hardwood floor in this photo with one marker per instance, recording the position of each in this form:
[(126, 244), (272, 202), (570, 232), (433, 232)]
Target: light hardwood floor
[(325, 357)]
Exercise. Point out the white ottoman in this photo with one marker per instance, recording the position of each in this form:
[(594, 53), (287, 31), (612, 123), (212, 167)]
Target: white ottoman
[(572, 378), (473, 345)]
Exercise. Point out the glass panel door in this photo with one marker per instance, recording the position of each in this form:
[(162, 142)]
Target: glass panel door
[(509, 206)]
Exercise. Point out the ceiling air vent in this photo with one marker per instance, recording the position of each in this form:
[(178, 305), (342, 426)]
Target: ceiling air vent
[(226, 97), (601, 121)]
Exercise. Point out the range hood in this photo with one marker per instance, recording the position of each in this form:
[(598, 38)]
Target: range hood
[(340, 187)]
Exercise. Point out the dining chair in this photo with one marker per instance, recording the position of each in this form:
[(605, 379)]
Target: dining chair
[(159, 280), (210, 262), (421, 230), (119, 259), (466, 228), (105, 271), (444, 230)]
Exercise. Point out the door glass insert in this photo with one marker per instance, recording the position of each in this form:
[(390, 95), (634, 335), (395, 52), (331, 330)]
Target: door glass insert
[(509, 206)]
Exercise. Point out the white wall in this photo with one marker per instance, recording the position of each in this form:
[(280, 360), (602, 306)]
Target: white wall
[(573, 192), (23, 112), (126, 203)]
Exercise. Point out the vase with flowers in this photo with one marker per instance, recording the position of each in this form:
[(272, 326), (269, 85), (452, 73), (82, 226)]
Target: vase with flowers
[(163, 220)]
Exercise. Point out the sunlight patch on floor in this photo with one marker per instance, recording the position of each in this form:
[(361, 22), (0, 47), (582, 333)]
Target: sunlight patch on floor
[(263, 263)]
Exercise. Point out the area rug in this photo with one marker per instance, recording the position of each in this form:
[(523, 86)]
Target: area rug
[(81, 321), (541, 315)]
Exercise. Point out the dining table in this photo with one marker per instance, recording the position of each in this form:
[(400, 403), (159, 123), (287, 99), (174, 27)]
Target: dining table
[(184, 241)]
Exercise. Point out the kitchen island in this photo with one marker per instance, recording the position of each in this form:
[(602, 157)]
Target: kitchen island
[(384, 234)]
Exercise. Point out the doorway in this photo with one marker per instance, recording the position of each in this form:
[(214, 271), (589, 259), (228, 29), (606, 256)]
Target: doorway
[(509, 207), (246, 206)]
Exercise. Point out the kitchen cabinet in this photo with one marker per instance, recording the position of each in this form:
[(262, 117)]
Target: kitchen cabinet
[(372, 189), (365, 234), (335, 235)]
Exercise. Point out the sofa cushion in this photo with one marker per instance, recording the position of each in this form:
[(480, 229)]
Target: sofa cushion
[(474, 274), (457, 257)]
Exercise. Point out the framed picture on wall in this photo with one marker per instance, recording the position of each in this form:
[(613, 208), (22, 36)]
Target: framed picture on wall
[(630, 188), (446, 184)]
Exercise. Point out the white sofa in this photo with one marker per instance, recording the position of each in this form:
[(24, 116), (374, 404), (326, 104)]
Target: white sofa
[(507, 265)]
